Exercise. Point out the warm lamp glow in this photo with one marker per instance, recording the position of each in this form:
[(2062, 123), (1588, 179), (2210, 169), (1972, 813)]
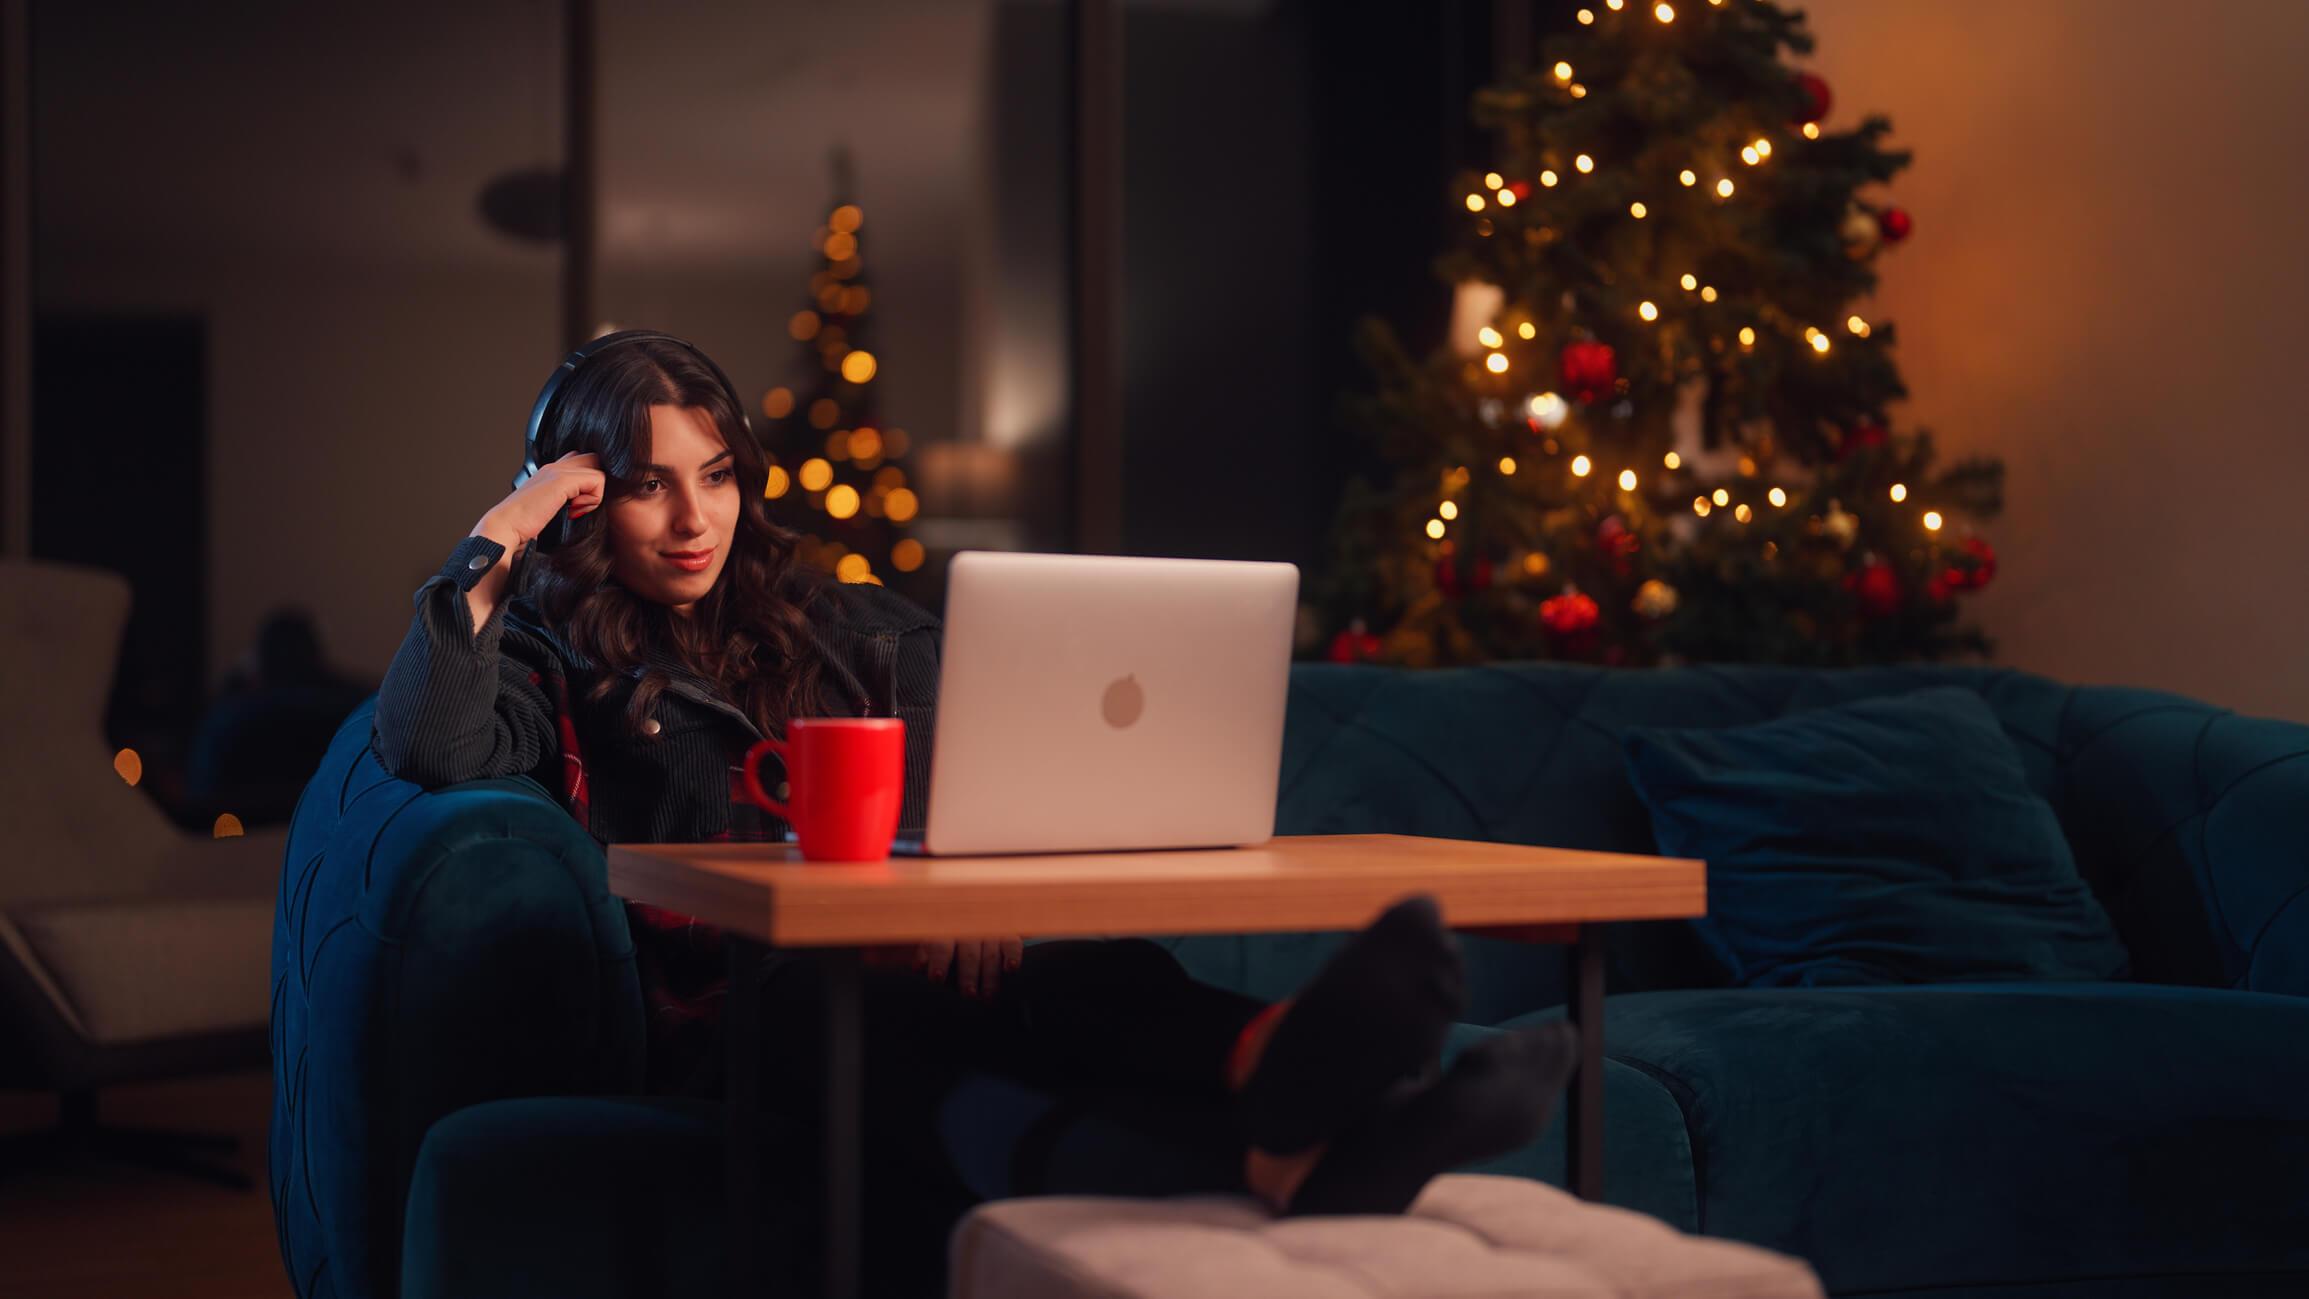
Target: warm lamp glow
[(228, 826), (1527, 330), (1447, 511), (1724, 187), (1580, 465), (1743, 513), (1584, 163), (1707, 293), (1548, 179), (1747, 336), (1637, 210), (1700, 506), (1778, 497), (1672, 460), (778, 484), (901, 505), (852, 567), (1562, 71), (1665, 13), (1687, 177), (906, 556), (815, 474), (1899, 492), (1932, 520), (1648, 311), (1492, 180), (1435, 529), (1496, 363), (858, 367), (129, 764), (1627, 480), (1507, 466), (1506, 198), (1722, 497), (1489, 337), (1811, 130), (1750, 156), (1690, 281), (1475, 202)]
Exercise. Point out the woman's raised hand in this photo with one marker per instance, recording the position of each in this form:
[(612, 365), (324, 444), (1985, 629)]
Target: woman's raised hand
[(575, 480)]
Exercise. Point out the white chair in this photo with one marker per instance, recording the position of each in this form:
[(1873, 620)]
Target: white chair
[(129, 950)]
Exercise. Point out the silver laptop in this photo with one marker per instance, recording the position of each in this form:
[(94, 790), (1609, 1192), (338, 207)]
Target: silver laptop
[(1090, 702)]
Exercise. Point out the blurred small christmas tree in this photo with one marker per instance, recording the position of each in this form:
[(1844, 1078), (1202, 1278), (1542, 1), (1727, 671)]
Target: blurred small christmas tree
[(835, 469), (1660, 430)]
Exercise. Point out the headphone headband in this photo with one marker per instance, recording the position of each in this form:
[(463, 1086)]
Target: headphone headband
[(535, 454)]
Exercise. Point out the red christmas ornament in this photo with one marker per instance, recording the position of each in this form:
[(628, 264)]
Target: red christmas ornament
[(1589, 370), (1354, 645), (1816, 98), (1617, 543), (1877, 588), (1568, 614), (1479, 576), (1895, 223), (1521, 189), (1860, 437), (1977, 574), (1938, 589), (1447, 577)]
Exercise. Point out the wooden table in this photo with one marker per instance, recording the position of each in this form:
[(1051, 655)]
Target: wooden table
[(768, 897)]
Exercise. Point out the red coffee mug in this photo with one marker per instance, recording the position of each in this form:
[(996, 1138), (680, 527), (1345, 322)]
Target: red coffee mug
[(845, 778)]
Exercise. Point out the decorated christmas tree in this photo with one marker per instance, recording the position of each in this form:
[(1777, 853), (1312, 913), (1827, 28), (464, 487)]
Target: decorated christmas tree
[(1661, 430), (835, 468)]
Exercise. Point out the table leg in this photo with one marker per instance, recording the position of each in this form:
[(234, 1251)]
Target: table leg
[(845, 1074), (1583, 1108), (742, 1117)]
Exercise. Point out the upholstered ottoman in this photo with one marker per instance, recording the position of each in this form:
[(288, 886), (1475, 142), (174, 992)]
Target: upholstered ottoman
[(1469, 1237)]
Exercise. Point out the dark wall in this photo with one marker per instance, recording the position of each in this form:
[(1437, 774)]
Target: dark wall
[(1284, 176)]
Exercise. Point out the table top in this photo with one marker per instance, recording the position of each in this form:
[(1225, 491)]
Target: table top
[(1311, 882)]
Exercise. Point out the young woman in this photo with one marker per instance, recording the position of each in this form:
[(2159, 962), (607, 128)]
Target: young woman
[(631, 667)]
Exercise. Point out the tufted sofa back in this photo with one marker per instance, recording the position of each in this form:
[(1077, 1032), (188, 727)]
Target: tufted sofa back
[(431, 950), (2191, 823)]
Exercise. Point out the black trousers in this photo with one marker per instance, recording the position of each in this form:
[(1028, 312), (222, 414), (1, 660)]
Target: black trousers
[(1115, 1028)]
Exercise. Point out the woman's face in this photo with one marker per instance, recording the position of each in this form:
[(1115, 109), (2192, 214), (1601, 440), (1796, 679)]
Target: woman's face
[(670, 534)]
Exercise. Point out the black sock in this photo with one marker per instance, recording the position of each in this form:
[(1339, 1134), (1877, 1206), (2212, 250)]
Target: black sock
[(1371, 1019), (1496, 1097)]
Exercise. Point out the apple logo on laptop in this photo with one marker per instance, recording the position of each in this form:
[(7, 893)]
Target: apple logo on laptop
[(1125, 700)]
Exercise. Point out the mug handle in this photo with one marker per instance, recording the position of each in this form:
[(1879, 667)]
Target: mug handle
[(753, 783)]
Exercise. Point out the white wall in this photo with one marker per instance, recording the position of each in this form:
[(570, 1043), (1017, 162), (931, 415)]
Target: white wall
[(2105, 288)]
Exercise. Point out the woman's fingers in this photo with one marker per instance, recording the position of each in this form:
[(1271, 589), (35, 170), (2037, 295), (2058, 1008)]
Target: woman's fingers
[(937, 958), (969, 956), (1013, 952)]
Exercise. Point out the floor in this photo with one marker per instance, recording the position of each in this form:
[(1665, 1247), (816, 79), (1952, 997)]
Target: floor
[(93, 1230)]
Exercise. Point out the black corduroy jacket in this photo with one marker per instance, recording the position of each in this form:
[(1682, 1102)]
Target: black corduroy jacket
[(462, 703)]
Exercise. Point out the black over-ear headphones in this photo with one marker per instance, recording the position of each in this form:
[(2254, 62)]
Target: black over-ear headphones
[(537, 449)]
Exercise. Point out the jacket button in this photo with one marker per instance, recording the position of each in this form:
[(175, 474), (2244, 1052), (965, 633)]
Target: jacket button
[(479, 562), (649, 726)]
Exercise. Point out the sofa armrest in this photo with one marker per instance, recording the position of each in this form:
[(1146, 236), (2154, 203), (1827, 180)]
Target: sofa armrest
[(431, 950), (2192, 823)]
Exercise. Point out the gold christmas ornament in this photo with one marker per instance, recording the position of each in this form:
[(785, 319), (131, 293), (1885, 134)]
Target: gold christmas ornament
[(1859, 231), (1840, 524), (1655, 599)]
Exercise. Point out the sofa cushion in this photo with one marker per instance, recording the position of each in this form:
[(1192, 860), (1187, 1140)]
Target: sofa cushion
[(1467, 1237), (1890, 840), (134, 971), (1994, 1134)]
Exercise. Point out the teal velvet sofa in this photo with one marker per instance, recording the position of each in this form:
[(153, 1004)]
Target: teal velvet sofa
[(457, 1030)]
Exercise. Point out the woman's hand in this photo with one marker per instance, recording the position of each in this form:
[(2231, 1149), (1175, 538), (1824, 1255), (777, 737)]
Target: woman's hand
[(575, 480), (976, 964)]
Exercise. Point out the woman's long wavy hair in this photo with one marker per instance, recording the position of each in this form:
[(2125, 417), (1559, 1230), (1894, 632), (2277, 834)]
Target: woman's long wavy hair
[(749, 635)]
